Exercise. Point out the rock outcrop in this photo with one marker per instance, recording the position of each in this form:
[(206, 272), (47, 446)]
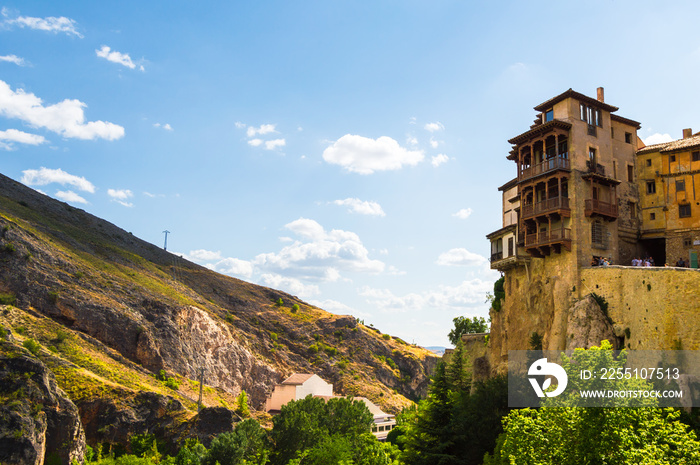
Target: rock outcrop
[(587, 325), (37, 419)]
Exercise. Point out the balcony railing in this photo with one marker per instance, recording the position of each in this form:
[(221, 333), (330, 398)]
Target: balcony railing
[(548, 237), (598, 207), (545, 206), (496, 256), (551, 164)]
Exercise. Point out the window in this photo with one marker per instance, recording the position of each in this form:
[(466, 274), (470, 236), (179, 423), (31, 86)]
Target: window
[(672, 158), (687, 242), (591, 157), (680, 186), (633, 210), (696, 156), (652, 216), (651, 187), (628, 137), (648, 161), (630, 173), (591, 115), (598, 235), (684, 210), (549, 115), (510, 246)]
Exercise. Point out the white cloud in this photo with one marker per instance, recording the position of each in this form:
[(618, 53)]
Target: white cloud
[(49, 24), (434, 127), (239, 125), (70, 196), (255, 142), (320, 255), (262, 130), (9, 137), (434, 143), (291, 285), (45, 176), (411, 140), (121, 196), (117, 57), (460, 257), (235, 267), (362, 207), (273, 144), (439, 159), (202, 255), (658, 139), (14, 59), (165, 126), (365, 156), (463, 214), (469, 293), (65, 118)]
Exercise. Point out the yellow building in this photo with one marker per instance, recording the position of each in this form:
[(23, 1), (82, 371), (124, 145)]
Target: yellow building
[(669, 186)]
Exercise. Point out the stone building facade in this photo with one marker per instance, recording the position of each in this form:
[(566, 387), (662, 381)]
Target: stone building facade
[(580, 195)]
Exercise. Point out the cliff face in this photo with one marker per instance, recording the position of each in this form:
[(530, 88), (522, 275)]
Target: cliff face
[(645, 308), (117, 310)]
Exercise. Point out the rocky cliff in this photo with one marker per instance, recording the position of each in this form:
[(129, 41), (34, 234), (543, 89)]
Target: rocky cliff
[(114, 317)]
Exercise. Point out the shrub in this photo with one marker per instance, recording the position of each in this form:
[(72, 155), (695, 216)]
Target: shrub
[(53, 297), (313, 348), (386, 336), (60, 336), (161, 375), (295, 308), (242, 404), (9, 247), (279, 302), (391, 363), (172, 383), (7, 299), (230, 318), (273, 336), (32, 346)]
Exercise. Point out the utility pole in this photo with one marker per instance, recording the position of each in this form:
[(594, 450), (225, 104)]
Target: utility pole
[(201, 385), (165, 246)]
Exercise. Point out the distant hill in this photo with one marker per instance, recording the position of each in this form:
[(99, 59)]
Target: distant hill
[(116, 319), (438, 350)]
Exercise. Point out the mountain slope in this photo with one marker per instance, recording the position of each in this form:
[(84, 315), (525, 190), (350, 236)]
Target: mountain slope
[(127, 309)]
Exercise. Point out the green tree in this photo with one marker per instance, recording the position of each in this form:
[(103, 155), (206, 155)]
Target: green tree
[(463, 325), (429, 441), (247, 444), (563, 433), (459, 375), (242, 404), (304, 424)]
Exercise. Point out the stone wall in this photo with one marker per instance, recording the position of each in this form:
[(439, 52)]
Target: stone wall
[(654, 308)]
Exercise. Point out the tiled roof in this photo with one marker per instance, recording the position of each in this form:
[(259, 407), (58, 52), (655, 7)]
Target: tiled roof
[(631, 122), (297, 378), (538, 130), (573, 94), (674, 146)]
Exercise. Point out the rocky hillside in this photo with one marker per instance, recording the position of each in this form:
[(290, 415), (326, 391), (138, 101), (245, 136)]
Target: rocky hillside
[(116, 320)]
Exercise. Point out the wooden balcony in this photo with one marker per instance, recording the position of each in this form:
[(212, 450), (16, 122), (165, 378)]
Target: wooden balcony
[(498, 262), (596, 207), (559, 205), (560, 162), (542, 243)]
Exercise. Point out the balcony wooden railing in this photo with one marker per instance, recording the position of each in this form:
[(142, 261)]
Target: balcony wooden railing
[(545, 206), (548, 237), (551, 164), (496, 256), (598, 207)]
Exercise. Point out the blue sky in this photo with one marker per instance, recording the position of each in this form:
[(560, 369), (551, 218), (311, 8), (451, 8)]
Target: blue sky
[(345, 152)]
